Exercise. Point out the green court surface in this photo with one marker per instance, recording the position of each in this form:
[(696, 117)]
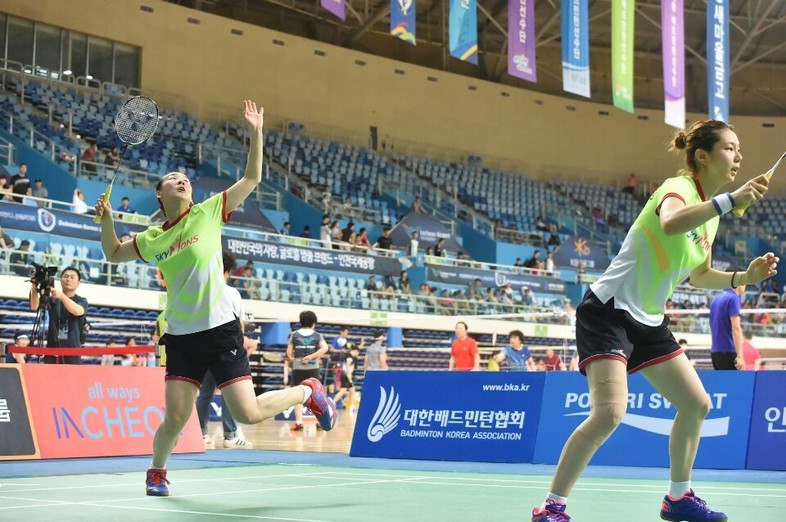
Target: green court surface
[(341, 494)]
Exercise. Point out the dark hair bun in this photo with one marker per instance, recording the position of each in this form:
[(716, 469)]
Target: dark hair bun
[(680, 140)]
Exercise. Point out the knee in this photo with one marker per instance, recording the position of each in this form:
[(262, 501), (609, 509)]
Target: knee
[(699, 407), (176, 420), (606, 417)]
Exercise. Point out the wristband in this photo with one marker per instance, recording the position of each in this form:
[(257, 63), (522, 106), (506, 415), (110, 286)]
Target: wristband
[(723, 203)]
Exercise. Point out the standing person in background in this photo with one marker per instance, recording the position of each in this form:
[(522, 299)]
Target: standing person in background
[(464, 355), (376, 354), (516, 356), (78, 204), (345, 375), (412, 248), (325, 233), (20, 183), (552, 361), (202, 331), (726, 330), (305, 349), (621, 326), (208, 389), (751, 354)]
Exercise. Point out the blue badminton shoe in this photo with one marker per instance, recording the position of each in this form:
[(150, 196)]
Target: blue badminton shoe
[(554, 512), (689, 508), (320, 405), (155, 485)]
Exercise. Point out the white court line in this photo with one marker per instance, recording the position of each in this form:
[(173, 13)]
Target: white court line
[(209, 513)]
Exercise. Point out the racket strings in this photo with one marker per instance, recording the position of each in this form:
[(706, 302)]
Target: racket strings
[(137, 120)]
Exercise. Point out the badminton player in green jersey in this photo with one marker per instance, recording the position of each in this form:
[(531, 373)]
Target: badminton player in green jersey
[(202, 331), (621, 327)]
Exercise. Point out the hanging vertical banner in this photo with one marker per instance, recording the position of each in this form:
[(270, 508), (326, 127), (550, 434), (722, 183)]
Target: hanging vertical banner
[(521, 40), (402, 20), (718, 59), (673, 36), (622, 16), (575, 47), (463, 30), (336, 7)]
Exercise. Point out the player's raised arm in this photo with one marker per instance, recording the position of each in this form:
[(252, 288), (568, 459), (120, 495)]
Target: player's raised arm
[(238, 192)]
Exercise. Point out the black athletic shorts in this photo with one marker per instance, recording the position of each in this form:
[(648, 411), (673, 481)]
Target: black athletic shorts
[(604, 332), (219, 350), (345, 382), (724, 360), (299, 376)]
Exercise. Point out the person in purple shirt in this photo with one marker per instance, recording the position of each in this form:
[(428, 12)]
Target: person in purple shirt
[(726, 330)]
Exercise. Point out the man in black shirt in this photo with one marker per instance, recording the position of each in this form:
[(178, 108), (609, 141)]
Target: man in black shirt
[(20, 183), (384, 242), (66, 315)]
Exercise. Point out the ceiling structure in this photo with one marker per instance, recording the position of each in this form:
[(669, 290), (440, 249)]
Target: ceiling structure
[(757, 41)]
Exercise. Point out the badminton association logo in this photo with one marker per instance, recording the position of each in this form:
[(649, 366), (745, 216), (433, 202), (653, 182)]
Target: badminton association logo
[(387, 415), (46, 220)]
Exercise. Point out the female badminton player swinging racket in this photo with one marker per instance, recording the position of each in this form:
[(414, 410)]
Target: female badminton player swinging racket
[(620, 323), (202, 332)]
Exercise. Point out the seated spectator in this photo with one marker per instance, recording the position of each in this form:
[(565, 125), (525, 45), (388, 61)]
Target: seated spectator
[(250, 284), (125, 206), (90, 157), (430, 251), (552, 361), (112, 159), (540, 224), (403, 283), (527, 298), (372, 285), (534, 261), (6, 243), (39, 191), (417, 205), (439, 248), (554, 240), (240, 271), (445, 303), (5, 188), (519, 263), (506, 294), (285, 229), (475, 290), (362, 244), (630, 186), (388, 284), (20, 260), (78, 202)]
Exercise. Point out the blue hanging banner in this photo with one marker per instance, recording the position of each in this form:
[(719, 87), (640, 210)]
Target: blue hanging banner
[(463, 30), (718, 59), (575, 47), (402, 20)]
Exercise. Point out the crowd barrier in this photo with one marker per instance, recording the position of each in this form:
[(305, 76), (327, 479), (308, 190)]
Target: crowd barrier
[(61, 411), (527, 417)]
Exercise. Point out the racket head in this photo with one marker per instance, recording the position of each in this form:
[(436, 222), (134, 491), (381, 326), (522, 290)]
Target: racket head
[(137, 120)]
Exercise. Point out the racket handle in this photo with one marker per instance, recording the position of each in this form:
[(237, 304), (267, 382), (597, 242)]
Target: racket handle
[(105, 199), (740, 211)]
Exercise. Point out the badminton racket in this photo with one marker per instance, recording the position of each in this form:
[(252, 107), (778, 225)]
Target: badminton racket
[(739, 212), (135, 123)]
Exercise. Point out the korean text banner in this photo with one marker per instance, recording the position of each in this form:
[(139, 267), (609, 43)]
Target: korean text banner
[(493, 419), (673, 37), (17, 440), (575, 47), (463, 30), (718, 59), (622, 36), (648, 421), (521, 38), (317, 258), (403, 20), (767, 446), (336, 7), (456, 275)]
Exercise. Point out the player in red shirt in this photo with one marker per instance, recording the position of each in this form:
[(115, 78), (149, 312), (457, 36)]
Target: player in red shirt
[(464, 355)]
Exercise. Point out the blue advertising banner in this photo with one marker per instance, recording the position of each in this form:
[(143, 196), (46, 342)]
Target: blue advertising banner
[(402, 20), (718, 59), (15, 216), (248, 213), (767, 445), (577, 251), (318, 258), (575, 47), (494, 418), (648, 421), (463, 30), (429, 229), (457, 275)]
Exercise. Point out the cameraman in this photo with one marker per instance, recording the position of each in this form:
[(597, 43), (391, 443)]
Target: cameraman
[(66, 313)]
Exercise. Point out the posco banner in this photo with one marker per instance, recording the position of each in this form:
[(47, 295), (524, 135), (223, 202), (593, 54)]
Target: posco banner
[(402, 20), (673, 29), (767, 447), (578, 251), (336, 7), (457, 275), (248, 213), (718, 59), (296, 255), (622, 17), (575, 47), (521, 40), (61, 223), (463, 30), (493, 419), (648, 421)]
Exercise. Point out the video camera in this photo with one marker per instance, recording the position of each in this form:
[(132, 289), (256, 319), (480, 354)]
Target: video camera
[(43, 277)]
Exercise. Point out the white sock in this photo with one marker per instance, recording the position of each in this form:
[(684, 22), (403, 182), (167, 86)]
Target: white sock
[(306, 392), (555, 498), (153, 467), (678, 489)]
